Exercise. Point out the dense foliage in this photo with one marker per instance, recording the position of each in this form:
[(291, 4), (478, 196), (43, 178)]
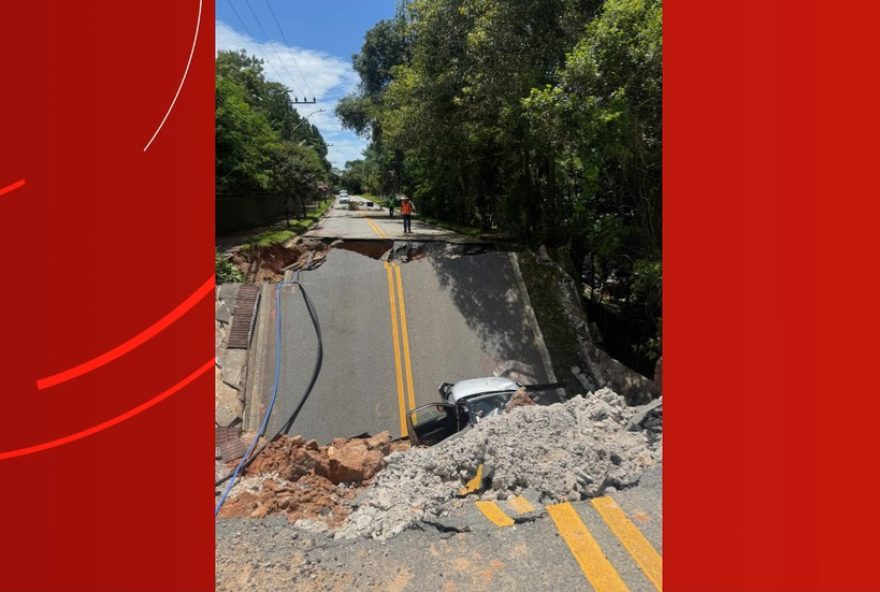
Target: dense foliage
[(263, 144), (538, 118)]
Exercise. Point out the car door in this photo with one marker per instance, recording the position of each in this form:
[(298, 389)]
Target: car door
[(432, 423)]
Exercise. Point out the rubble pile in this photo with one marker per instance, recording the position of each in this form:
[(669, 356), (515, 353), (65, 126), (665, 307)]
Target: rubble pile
[(305, 481), (563, 452)]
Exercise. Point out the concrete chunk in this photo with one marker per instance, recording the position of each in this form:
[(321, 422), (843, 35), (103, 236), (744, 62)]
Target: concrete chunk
[(227, 406), (233, 363)]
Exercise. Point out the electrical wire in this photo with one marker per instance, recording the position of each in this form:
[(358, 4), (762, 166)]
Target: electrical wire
[(248, 457), (287, 43), (270, 43), (257, 44), (266, 415)]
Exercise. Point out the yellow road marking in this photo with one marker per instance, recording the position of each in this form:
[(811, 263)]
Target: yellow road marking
[(379, 232), (596, 567), (632, 539), (401, 304), (495, 514), (474, 484), (521, 505), (396, 341)]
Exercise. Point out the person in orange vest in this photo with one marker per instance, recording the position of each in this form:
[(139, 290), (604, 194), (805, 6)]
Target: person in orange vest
[(406, 210)]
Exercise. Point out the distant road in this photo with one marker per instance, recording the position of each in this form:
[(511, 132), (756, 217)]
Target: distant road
[(372, 223)]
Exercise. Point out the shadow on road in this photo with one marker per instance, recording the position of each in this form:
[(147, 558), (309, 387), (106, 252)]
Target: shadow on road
[(486, 291)]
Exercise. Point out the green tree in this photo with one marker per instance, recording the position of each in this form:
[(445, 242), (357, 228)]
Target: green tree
[(263, 144), (537, 117)]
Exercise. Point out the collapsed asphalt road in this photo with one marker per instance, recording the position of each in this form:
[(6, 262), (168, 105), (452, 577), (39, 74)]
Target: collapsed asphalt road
[(571, 492), (392, 332)]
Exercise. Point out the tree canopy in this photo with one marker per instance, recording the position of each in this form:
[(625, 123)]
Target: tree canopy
[(263, 144), (538, 118)]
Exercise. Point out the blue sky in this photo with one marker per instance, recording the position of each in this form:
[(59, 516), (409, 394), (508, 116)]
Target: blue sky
[(313, 56)]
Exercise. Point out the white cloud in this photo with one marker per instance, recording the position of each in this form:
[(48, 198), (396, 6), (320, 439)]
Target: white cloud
[(308, 73)]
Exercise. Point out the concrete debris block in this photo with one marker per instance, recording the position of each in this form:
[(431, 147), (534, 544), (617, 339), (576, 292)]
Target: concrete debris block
[(221, 312), (648, 416), (227, 293), (220, 332), (227, 406), (583, 379), (233, 364)]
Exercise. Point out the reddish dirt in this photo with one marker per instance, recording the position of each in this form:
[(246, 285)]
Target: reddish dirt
[(267, 264), (305, 480)]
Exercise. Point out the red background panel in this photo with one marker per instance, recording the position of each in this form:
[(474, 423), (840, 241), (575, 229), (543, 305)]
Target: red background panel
[(771, 120), (102, 241), (770, 315)]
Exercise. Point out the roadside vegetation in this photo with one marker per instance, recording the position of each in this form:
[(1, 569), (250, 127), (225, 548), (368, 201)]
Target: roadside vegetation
[(226, 271), (535, 119), (265, 148), (263, 145), (284, 231)]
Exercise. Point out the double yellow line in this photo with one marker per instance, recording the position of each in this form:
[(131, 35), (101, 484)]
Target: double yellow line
[(379, 232), (400, 340), (585, 549)]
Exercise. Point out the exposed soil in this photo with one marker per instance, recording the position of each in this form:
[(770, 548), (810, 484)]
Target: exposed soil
[(268, 264), (304, 481)]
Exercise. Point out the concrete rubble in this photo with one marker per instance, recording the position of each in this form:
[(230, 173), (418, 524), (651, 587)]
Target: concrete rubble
[(562, 452), (230, 365)]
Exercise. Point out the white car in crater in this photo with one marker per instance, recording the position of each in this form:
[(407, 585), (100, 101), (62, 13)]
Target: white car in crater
[(465, 403)]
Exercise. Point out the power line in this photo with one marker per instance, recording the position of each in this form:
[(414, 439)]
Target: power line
[(269, 41), (286, 42), (256, 43)]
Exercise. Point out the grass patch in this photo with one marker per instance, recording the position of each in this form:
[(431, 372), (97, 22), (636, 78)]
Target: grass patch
[(559, 336)]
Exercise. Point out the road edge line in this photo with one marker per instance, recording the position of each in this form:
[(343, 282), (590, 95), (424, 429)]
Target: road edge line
[(533, 320)]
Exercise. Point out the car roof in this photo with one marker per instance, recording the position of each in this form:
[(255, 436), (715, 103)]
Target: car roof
[(476, 386)]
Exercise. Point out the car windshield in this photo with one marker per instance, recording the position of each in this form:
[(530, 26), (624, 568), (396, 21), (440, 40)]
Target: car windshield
[(486, 405)]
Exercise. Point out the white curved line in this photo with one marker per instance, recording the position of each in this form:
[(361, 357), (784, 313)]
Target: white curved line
[(182, 80)]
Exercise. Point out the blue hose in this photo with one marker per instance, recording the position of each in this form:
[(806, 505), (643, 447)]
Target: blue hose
[(248, 457), (266, 415)]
